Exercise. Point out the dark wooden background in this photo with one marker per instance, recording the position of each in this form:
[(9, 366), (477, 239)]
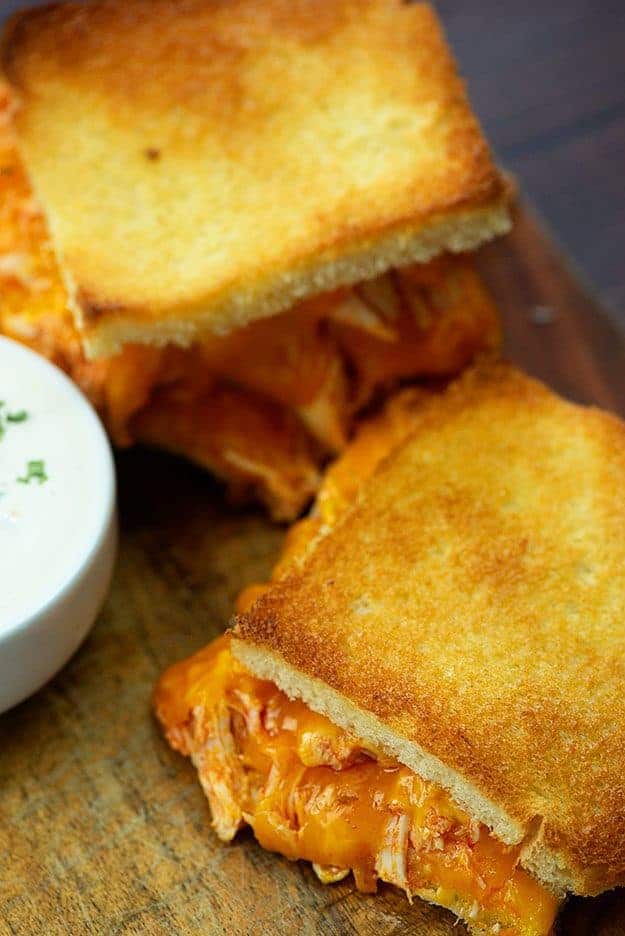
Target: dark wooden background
[(547, 78)]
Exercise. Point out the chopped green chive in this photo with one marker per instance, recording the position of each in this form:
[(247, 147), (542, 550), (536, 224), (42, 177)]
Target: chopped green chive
[(17, 416), (35, 471)]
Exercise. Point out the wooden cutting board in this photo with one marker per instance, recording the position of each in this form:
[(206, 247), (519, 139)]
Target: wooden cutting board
[(103, 829)]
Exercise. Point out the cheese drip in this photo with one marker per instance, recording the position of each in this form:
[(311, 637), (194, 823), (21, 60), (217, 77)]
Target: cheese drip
[(310, 791)]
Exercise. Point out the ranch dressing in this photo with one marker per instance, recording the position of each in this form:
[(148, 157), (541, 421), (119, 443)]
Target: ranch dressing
[(54, 470)]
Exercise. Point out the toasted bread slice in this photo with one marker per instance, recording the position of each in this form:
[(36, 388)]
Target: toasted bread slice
[(207, 164), (262, 406), (466, 615)]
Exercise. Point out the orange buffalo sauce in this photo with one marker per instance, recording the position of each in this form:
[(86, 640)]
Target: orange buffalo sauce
[(310, 791)]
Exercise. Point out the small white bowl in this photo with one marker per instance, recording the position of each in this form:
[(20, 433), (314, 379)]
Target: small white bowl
[(58, 530)]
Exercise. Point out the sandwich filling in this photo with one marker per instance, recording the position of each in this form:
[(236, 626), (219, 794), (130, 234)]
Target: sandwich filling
[(263, 406), (311, 791)]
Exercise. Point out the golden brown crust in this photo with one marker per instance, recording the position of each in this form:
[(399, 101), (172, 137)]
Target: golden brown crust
[(207, 163), (472, 602), (259, 407)]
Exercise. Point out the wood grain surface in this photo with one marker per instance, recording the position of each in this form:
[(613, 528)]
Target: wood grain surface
[(548, 81), (103, 829)]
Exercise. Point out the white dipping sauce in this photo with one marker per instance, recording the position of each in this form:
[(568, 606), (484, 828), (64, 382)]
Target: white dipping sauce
[(48, 528)]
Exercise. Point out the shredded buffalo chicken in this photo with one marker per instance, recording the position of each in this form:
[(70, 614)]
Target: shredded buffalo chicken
[(310, 791)]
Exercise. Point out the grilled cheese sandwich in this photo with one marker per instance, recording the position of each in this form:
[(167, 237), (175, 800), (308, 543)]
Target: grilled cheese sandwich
[(209, 165), (445, 622), (265, 405)]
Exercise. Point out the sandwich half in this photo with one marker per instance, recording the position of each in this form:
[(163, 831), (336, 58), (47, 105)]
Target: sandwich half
[(237, 224), (429, 691)]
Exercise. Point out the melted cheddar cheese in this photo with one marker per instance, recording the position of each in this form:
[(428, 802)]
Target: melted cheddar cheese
[(264, 406), (310, 791)]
